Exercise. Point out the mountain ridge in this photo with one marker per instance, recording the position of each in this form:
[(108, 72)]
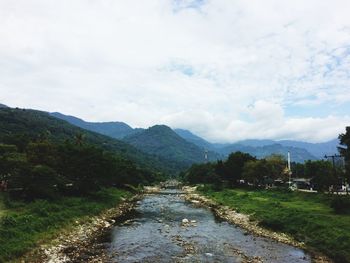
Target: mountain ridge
[(161, 140), (260, 148), (36, 124), (114, 129)]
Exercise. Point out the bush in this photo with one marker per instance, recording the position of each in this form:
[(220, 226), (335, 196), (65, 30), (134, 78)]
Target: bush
[(341, 204), (273, 223)]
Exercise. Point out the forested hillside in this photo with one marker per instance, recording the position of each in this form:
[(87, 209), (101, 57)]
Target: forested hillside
[(162, 141), (18, 126), (300, 151)]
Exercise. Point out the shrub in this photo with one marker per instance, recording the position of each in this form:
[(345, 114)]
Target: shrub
[(341, 204)]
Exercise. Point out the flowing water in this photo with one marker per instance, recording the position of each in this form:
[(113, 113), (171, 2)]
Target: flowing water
[(155, 233)]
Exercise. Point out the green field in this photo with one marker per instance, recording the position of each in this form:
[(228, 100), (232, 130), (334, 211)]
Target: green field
[(23, 225), (307, 217)]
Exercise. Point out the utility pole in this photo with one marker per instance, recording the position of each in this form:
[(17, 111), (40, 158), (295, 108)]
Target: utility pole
[(289, 170), (206, 155)]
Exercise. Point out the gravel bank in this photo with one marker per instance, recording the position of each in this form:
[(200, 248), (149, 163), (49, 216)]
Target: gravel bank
[(84, 240), (244, 221)]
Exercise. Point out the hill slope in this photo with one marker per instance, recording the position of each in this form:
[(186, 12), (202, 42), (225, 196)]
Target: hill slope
[(37, 123), (300, 151), (189, 136), (116, 130), (162, 141)]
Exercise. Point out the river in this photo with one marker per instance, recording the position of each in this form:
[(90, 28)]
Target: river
[(155, 232)]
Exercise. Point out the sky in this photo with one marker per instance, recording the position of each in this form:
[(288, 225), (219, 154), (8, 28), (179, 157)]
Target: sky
[(227, 70)]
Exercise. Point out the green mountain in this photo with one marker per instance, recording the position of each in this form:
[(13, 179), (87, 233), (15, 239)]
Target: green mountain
[(160, 140), (116, 130), (189, 136), (36, 124), (300, 151)]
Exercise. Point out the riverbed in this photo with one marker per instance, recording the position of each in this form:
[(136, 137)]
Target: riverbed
[(164, 227)]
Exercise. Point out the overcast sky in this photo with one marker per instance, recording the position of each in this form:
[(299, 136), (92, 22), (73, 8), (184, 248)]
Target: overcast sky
[(225, 69)]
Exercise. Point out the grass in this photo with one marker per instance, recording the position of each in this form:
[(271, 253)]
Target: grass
[(24, 225), (307, 217), (3, 209)]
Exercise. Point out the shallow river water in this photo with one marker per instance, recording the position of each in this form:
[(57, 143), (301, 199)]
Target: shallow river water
[(155, 233)]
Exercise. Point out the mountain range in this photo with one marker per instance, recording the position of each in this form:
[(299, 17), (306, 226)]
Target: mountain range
[(183, 146), (115, 130), (35, 124), (163, 141)]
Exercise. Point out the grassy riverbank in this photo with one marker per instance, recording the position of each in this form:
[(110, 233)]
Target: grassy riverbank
[(24, 225), (307, 217)]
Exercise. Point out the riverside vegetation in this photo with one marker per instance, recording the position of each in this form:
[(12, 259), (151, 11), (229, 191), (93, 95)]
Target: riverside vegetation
[(320, 220), (55, 173), (309, 218), (24, 225)]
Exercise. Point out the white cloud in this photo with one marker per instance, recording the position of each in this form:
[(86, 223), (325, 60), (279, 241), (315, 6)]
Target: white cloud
[(189, 64)]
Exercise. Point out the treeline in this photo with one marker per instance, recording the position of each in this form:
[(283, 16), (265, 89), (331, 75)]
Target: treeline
[(42, 168), (33, 125), (242, 168)]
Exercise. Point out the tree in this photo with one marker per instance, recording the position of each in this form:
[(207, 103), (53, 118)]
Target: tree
[(298, 170), (321, 173), (42, 152), (233, 167), (344, 150), (79, 139), (202, 174), (277, 164), (43, 183), (256, 172)]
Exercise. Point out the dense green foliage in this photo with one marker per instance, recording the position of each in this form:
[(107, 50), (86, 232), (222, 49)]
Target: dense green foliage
[(162, 141), (307, 217), (18, 126), (55, 172), (22, 225), (232, 169), (45, 170), (345, 150), (237, 168), (242, 168)]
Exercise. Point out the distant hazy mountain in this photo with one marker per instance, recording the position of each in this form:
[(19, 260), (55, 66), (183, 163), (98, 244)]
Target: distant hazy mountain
[(116, 130), (189, 136), (297, 154), (162, 141), (3, 106), (316, 149), (300, 151)]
